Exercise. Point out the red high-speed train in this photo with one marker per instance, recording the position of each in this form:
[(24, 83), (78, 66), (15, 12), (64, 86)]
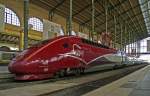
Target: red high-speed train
[(59, 56)]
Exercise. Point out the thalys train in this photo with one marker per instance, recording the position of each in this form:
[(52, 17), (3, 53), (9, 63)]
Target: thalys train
[(61, 56)]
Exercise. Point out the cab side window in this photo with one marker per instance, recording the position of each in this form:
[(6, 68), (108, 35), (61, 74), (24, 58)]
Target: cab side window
[(66, 45)]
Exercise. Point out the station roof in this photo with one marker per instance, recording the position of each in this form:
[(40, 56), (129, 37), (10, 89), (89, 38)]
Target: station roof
[(127, 13)]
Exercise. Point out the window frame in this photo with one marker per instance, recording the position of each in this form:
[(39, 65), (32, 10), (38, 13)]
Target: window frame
[(37, 23), (11, 17)]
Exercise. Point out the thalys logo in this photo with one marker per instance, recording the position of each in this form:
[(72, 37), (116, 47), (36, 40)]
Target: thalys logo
[(76, 52)]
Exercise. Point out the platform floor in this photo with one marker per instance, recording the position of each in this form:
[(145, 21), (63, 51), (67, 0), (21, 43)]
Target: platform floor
[(4, 69), (135, 84)]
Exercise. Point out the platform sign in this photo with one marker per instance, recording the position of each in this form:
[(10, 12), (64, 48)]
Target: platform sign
[(51, 29), (2, 16), (148, 45)]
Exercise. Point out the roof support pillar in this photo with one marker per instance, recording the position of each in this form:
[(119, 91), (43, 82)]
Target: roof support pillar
[(121, 31), (125, 37), (121, 45), (89, 32), (26, 16), (138, 48), (115, 26), (50, 16), (70, 18), (135, 46), (93, 17), (106, 13), (129, 42)]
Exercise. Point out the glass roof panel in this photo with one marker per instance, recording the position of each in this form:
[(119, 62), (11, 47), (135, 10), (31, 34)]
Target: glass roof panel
[(145, 7)]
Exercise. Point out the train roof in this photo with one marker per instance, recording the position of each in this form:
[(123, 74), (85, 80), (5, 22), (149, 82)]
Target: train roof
[(71, 36), (85, 41)]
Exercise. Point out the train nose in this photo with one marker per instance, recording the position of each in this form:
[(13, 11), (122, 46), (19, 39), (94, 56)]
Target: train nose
[(16, 67), (20, 67), (29, 71)]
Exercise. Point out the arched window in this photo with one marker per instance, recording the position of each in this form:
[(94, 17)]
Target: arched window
[(36, 23), (11, 17)]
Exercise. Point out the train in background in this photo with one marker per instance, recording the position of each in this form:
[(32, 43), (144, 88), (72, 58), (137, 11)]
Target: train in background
[(61, 56), (134, 60), (6, 55)]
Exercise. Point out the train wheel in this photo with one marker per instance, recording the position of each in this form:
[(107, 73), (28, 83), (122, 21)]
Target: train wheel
[(62, 73), (56, 75), (77, 71), (115, 67), (82, 70), (124, 65), (68, 71)]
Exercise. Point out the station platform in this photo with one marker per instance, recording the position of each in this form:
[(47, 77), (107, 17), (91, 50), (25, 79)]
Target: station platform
[(135, 84), (4, 69)]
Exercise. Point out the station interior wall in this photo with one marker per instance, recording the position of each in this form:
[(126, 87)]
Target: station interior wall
[(34, 11)]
